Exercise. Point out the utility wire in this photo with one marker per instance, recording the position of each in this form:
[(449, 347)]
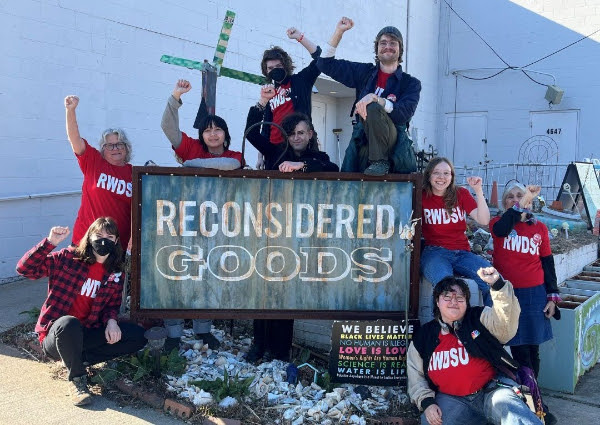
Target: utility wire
[(506, 63)]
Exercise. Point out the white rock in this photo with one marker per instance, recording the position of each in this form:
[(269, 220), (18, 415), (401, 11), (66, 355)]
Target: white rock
[(299, 420), (228, 402), (334, 413), (289, 414), (197, 346)]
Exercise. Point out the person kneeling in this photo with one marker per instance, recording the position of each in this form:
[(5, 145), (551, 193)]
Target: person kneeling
[(453, 362), (78, 320)]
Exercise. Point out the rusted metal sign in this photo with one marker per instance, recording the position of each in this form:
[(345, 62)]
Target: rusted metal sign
[(267, 244)]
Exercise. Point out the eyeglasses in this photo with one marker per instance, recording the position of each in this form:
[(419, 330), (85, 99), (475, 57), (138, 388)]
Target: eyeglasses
[(389, 43), (113, 146), (448, 296), (440, 174)]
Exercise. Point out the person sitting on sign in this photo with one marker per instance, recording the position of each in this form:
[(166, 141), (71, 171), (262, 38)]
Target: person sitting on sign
[(292, 91), (211, 150), (444, 210), (78, 321), (454, 361), (301, 150), (522, 254), (106, 188), (386, 100), (273, 338)]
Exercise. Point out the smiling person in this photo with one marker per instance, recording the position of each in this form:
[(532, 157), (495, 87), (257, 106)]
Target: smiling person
[(454, 361), (301, 150), (211, 150), (522, 254), (78, 321), (445, 208), (106, 189), (386, 100)]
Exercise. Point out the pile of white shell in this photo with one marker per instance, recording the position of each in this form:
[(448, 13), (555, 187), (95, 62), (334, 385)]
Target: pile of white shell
[(298, 404)]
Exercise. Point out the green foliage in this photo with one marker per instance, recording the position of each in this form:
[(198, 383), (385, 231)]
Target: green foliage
[(324, 381), (141, 365), (228, 386), (304, 356), (32, 315)]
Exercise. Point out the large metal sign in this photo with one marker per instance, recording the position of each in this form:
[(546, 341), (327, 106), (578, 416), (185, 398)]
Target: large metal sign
[(268, 244)]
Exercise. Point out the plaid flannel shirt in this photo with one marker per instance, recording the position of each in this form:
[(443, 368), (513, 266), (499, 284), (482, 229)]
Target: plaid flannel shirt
[(65, 275)]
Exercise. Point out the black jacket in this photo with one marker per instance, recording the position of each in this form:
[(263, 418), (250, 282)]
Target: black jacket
[(301, 85), (276, 154)]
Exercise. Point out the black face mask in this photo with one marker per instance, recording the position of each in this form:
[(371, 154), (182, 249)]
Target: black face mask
[(103, 246), (277, 75)]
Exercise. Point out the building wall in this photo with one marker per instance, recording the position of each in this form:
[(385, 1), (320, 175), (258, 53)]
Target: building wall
[(521, 32), (108, 54)]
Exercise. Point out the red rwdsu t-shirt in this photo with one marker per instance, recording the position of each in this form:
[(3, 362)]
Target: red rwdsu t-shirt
[(443, 229), (87, 292), (191, 148), (382, 78), (454, 371), (281, 106), (106, 192), (517, 256)]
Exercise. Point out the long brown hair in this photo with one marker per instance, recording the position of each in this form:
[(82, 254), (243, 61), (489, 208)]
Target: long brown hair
[(450, 196), (85, 252)]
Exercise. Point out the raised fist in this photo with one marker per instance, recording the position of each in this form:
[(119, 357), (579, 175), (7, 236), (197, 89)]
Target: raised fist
[(267, 92), (488, 274), (344, 24), (476, 183), (58, 234), (294, 33), (181, 87), (71, 102)]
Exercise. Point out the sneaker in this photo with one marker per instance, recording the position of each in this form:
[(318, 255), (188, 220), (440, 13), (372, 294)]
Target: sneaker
[(255, 353), (378, 168), (210, 339), (80, 394)]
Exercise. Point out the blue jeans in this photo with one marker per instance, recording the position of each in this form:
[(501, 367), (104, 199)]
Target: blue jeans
[(438, 263), (493, 404)]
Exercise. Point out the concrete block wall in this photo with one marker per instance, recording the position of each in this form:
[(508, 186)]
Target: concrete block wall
[(108, 53), (521, 32)]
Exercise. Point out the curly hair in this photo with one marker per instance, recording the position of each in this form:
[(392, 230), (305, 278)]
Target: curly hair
[(85, 252), (400, 48), (277, 53), (121, 137), (446, 285), (290, 122), (451, 195)]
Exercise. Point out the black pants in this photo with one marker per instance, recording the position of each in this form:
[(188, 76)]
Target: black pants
[(274, 336), (527, 355), (74, 344)]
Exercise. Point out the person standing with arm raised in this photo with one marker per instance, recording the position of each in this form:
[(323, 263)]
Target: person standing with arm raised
[(107, 188), (386, 100)]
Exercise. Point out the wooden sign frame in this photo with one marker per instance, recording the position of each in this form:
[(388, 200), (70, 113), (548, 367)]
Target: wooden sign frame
[(404, 312)]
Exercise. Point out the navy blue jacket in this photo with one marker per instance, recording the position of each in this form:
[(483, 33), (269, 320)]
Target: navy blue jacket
[(301, 85), (363, 78)]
